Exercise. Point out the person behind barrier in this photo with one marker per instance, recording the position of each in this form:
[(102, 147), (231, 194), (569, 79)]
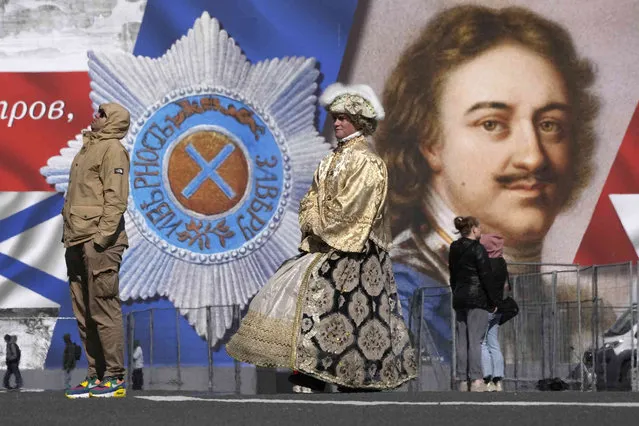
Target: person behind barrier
[(138, 365), (72, 353), (491, 355), (12, 359), (471, 280)]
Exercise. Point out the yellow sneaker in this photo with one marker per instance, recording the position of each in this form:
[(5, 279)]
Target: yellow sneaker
[(83, 389), (111, 387)]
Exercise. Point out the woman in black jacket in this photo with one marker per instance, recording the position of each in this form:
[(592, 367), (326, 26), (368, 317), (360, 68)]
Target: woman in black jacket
[(471, 281)]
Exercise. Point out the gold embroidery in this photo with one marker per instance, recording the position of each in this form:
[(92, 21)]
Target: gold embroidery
[(322, 338), (301, 296), (346, 203), (262, 341)]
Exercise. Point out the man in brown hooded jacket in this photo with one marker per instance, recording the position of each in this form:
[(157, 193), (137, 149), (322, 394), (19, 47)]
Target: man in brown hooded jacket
[(95, 239)]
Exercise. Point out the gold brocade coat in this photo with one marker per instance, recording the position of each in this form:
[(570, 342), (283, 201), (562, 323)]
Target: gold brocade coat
[(346, 203), (332, 312)]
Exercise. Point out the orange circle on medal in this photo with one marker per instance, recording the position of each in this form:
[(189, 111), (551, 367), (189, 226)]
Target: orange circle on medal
[(207, 198)]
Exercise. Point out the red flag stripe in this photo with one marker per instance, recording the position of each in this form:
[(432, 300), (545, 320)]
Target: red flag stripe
[(605, 240), (28, 142)]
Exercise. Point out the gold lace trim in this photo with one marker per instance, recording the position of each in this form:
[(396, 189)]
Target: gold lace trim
[(339, 382), (262, 341), (301, 297)]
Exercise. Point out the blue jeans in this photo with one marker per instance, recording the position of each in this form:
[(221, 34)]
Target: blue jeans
[(492, 359)]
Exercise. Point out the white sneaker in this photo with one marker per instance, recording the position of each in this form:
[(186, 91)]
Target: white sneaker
[(302, 389), (490, 387), (478, 386), (499, 387)]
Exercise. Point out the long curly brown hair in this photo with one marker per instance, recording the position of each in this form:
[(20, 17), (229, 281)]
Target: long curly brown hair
[(413, 91)]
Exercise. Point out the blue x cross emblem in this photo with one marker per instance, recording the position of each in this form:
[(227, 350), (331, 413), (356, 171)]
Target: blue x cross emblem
[(209, 171)]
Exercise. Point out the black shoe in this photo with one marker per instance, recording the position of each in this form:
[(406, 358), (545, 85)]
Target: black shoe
[(306, 381), (344, 389)]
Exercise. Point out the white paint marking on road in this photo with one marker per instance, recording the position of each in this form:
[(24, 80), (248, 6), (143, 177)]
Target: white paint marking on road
[(171, 398), (399, 403), (21, 390)]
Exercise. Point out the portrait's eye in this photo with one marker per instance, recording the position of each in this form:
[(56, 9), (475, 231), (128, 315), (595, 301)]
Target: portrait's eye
[(493, 126), (550, 126), (489, 125)]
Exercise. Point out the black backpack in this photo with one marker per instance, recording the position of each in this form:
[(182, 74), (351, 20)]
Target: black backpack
[(78, 352), (552, 384)]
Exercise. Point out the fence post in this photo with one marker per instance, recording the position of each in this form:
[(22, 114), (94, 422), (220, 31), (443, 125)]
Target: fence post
[(179, 350), (237, 364), (411, 314), (419, 338), (130, 322), (635, 360), (553, 325), (453, 355), (580, 354), (516, 333), (151, 347), (542, 310), (208, 346), (632, 321), (594, 325)]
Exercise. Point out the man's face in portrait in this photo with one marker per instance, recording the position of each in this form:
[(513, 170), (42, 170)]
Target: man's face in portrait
[(504, 153)]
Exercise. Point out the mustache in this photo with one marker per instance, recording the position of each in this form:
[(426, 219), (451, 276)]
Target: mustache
[(545, 176)]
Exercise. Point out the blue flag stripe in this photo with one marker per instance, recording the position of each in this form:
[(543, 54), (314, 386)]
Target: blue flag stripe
[(30, 217)]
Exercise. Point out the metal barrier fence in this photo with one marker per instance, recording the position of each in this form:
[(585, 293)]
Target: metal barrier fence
[(173, 363), (576, 324)]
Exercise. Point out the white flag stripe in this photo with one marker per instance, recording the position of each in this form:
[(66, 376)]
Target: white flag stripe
[(40, 247), (13, 202), (14, 296), (626, 206)]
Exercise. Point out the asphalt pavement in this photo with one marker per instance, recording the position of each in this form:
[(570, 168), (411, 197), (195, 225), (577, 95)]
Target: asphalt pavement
[(35, 407)]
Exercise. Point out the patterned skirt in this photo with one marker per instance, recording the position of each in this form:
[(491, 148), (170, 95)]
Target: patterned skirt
[(334, 316)]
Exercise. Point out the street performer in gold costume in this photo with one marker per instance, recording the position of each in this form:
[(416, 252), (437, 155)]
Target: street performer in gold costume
[(331, 314)]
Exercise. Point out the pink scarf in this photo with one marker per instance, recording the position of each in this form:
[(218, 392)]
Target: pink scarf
[(494, 244)]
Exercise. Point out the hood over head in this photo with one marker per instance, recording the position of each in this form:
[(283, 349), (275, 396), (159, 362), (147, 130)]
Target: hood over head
[(118, 120)]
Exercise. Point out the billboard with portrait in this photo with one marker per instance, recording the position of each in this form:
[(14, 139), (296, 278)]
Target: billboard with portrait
[(523, 114), (509, 111)]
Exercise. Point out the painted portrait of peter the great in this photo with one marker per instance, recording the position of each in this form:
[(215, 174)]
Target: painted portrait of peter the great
[(490, 114)]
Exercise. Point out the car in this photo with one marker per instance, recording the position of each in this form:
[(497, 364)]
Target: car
[(613, 361)]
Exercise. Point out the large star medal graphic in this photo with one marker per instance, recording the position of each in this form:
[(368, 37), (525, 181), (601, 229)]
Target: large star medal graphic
[(222, 151)]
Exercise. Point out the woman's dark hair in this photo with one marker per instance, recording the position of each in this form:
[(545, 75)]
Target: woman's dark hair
[(464, 224)]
